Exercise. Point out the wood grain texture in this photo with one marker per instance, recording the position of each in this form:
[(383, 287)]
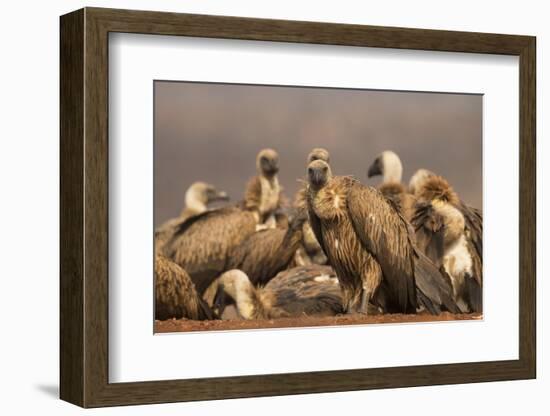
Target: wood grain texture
[(71, 212), (84, 207)]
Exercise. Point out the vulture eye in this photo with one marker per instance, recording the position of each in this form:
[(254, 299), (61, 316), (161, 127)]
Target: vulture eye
[(324, 168), (310, 170)]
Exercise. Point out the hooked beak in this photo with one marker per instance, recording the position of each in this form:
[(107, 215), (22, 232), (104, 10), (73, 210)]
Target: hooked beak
[(270, 167), (317, 177), (374, 169)]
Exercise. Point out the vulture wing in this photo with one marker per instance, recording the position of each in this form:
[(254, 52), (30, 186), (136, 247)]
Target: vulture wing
[(310, 291), (429, 228), (202, 243), (315, 224), (433, 286), (261, 256), (385, 234), (474, 231), (474, 225), (175, 294)]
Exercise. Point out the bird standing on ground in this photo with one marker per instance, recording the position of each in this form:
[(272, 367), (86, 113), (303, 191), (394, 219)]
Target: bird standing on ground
[(263, 192), (371, 247)]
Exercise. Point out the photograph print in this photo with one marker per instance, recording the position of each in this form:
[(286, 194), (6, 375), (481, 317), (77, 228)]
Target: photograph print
[(291, 206)]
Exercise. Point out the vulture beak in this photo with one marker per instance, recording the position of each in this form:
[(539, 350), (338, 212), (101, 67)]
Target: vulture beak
[(317, 176), (270, 166), (220, 301), (375, 169)]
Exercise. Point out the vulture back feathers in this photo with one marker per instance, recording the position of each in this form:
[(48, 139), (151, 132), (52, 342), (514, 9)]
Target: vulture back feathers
[(265, 253), (301, 291), (175, 294), (202, 244)]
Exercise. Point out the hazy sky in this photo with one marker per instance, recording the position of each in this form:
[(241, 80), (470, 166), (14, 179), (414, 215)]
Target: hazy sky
[(212, 133)]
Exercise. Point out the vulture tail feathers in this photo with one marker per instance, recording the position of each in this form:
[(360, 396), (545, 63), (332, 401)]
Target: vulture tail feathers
[(433, 286), (474, 294)]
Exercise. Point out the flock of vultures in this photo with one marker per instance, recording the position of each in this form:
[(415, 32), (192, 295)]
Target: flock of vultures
[(339, 247)]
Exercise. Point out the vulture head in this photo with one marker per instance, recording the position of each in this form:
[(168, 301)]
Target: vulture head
[(437, 188), (267, 162), (388, 165), (200, 194), (318, 173), (418, 180), (318, 154)]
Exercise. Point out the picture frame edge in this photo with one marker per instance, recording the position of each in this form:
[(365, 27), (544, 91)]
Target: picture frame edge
[(84, 212)]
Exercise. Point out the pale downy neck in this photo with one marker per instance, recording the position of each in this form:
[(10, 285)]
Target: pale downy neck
[(393, 169), (193, 202), (237, 285)]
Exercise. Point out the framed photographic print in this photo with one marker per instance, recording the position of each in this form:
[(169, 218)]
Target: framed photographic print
[(356, 203)]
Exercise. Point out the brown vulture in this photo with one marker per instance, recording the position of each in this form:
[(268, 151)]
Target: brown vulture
[(202, 244), (450, 233), (371, 247), (301, 291), (265, 253), (263, 192), (175, 294), (197, 198), (310, 251)]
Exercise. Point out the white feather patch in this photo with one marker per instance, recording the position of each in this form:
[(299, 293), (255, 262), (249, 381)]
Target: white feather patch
[(322, 278)]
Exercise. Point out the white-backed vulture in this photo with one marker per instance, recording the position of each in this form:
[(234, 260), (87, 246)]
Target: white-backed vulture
[(450, 233), (263, 192), (371, 247), (202, 244), (265, 253), (301, 291), (310, 251), (389, 165), (197, 198), (418, 179), (175, 294)]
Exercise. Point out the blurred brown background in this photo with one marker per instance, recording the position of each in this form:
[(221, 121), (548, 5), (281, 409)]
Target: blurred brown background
[(212, 133)]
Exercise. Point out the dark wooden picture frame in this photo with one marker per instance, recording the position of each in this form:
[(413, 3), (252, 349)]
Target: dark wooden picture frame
[(84, 207)]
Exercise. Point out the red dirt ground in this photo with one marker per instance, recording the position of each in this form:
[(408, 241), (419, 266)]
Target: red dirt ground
[(185, 325)]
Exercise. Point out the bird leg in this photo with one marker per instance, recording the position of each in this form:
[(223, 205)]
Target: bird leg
[(364, 306)]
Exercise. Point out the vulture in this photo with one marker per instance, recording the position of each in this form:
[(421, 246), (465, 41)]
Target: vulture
[(450, 234), (371, 247), (197, 198), (310, 251), (175, 294), (265, 253), (202, 244), (263, 192), (389, 166), (297, 292)]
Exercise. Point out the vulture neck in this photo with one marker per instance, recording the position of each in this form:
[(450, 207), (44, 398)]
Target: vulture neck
[(237, 285), (330, 201), (393, 170), (194, 203)]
